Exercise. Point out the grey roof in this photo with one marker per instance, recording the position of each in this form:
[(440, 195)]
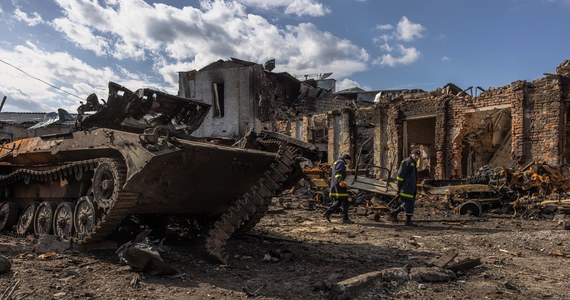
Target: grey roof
[(28, 118), (21, 117)]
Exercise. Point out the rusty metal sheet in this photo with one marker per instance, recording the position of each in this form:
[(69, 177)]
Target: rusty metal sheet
[(469, 188), (372, 185)]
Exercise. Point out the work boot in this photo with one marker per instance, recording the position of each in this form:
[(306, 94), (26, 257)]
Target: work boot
[(409, 222), (327, 216), (393, 216), (347, 221)]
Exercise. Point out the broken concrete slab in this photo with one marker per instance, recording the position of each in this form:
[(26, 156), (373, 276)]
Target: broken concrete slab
[(351, 287), (431, 274)]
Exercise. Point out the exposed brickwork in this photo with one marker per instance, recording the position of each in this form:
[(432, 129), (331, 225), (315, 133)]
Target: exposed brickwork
[(533, 118)]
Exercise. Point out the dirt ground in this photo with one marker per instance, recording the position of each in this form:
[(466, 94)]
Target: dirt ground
[(293, 253)]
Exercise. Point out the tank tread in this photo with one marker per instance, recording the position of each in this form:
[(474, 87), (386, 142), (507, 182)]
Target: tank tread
[(56, 173), (113, 216), (110, 219), (247, 211)]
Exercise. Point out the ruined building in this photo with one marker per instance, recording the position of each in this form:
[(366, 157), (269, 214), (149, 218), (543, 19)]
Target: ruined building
[(248, 96), (458, 133)]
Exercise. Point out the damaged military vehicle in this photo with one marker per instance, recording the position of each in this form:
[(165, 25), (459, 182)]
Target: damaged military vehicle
[(134, 155)]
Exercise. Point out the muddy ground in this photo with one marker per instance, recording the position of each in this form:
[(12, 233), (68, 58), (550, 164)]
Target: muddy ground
[(293, 253)]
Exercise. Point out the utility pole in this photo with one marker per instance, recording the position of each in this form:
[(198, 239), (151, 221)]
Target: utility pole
[(2, 105)]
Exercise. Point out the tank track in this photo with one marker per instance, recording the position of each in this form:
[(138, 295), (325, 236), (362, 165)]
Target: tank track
[(57, 173), (120, 209), (110, 219), (246, 212)]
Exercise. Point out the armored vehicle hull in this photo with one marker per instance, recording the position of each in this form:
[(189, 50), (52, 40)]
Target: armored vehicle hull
[(131, 157)]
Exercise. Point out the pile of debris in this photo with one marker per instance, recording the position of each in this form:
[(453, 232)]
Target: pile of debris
[(537, 188)]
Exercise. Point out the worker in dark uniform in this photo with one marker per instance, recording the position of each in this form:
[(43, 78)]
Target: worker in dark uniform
[(407, 182), (338, 191)]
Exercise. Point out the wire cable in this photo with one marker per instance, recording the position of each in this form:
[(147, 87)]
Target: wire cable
[(39, 79)]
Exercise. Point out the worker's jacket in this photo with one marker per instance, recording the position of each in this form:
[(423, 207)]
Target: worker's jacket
[(407, 179), (338, 175)]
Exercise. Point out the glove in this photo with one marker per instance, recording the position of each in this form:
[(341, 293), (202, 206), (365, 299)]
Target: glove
[(342, 183)]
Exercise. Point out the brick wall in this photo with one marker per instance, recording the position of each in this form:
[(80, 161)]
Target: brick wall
[(537, 121), (538, 130), (542, 119)]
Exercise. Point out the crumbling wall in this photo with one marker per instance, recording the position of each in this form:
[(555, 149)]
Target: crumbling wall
[(442, 137), (385, 154), (275, 94), (534, 112), (281, 126), (238, 110), (565, 120), (542, 107), (365, 119), (325, 104), (391, 112), (341, 133), (470, 116), (535, 131)]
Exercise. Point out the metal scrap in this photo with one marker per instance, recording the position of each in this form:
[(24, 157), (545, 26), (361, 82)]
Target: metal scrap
[(535, 188), (143, 254)]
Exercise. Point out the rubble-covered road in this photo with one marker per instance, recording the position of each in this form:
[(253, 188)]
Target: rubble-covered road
[(295, 254)]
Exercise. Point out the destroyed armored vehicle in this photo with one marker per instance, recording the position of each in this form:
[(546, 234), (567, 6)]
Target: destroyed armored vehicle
[(134, 156)]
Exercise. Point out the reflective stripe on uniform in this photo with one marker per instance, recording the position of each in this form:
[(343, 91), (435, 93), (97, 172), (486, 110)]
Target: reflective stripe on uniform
[(406, 195), (399, 178), (338, 194), (338, 175)]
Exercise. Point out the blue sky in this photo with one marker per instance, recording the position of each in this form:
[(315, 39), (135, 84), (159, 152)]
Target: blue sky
[(81, 45)]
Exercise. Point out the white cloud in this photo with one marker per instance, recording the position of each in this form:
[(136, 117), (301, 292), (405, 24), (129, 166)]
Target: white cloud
[(387, 47), (405, 31), (292, 7), (307, 8), (408, 31), (384, 27), (27, 93), (33, 20), (445, 58), (167, 38), (199, 36), (347, 84), (82, 36), (406, 57)]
